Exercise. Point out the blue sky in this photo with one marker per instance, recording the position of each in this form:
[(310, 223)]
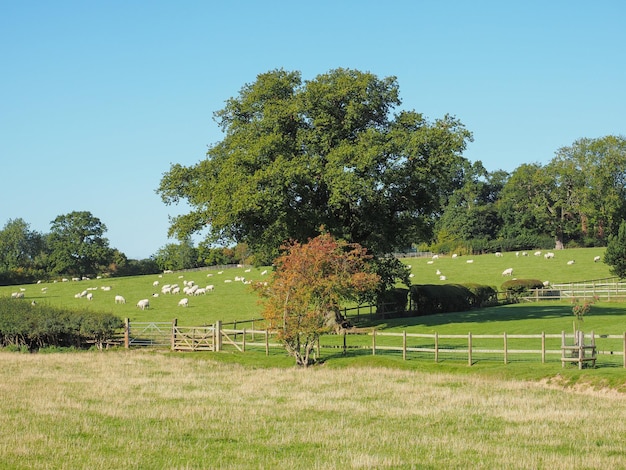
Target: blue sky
[(98, 99)]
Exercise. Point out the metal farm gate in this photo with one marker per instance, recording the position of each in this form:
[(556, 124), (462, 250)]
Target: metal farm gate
[(151, 333)]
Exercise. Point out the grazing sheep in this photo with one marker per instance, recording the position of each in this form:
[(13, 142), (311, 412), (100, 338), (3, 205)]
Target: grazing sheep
[(184, 302), (155, 283), (89, 296), (507, 272), (263, 273), (596, 259), (411, 275), (429, 262), (119, 299), (549, 255), (570, 262), (498, 254), (106, 288), (248, 270), (175, 290), (200, 291), (438, 272), (435, 256), (143, 304), (537, 253), (168, 271), (469, 261), (210, 288), (442, 278), (546, 283), (454, 255)]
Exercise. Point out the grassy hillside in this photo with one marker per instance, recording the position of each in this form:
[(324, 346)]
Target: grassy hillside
[(487, 269), (236, 300)]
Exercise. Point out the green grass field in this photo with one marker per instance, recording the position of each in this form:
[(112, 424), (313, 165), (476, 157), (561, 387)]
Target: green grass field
[(235, 301)]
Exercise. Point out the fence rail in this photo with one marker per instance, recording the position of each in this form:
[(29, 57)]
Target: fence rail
[(602, 289), (487, 347)]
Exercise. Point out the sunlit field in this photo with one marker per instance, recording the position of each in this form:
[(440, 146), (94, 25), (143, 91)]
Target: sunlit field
[(142, 409), (234, 300)]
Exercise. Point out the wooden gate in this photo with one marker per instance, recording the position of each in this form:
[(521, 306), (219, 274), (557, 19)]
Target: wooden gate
[(193, 338)]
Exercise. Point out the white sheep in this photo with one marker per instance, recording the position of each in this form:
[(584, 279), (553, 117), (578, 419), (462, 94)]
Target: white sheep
[(507, 272), (454, 255), (570, 262), (438, 272), (498, 254), (469, 261), (264, 272), (143, 304), (89, 296), (596, 259), (442, 278), (549, 255), (175, 290), (183, 302), (119, 299), (155, 283), (209, 288)]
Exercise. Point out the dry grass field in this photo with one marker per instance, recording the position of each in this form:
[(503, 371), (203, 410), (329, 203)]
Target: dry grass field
[(142, 409)]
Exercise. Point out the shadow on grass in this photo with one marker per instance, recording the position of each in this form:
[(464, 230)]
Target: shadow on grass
[(500, 313)]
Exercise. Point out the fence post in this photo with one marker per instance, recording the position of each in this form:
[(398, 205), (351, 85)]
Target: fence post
[(437, 346), (543, 347), (267, 342), (344, 342), (127, 333), (624, 349), (174, 326), (469, 349), (506, 349), (404, 345), (374, 342), (218, 335), (243, 341), (581, 348)]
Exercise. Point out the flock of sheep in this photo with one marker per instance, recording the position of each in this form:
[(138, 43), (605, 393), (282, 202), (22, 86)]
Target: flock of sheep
[(507, 271), (188, 288)]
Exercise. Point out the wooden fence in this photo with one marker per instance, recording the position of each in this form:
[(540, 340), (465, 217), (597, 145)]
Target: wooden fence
[(609, 289), (579, 348)]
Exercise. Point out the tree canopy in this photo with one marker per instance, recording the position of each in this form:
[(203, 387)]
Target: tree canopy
[(327, 152), (77, 244)]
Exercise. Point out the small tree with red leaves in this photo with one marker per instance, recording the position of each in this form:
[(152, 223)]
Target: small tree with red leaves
[(309, 283)]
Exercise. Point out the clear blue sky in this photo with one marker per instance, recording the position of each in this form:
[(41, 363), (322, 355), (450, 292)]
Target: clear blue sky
[(98, 98)]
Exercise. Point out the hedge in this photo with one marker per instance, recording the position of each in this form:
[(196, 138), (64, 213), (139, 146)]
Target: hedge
[(38, 326)]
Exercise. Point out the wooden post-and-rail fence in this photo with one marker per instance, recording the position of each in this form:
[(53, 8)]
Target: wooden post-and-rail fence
[(575, 348)]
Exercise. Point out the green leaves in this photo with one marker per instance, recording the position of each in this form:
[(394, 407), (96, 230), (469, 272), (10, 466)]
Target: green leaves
[(297, 156)]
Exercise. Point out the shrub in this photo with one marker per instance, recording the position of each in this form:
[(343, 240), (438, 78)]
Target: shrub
[(393, 302), (427, 299), (514, 288), (23, 325)]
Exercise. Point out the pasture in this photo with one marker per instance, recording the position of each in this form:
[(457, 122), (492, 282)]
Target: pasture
[(141, 409), (235, 301)]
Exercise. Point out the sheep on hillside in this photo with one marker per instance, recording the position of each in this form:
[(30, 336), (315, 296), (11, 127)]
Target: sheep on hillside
[(507, 272), (119, 299), (184, 302), (143, 304)]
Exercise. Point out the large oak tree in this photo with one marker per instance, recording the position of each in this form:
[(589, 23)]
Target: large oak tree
[(327, 152)]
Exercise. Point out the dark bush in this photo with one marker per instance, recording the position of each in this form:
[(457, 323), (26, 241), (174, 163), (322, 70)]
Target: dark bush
[(483, 295), (514, 288), (39, 326), (393, 302)]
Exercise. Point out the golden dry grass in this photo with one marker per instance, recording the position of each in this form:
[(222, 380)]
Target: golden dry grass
[(138, 409)]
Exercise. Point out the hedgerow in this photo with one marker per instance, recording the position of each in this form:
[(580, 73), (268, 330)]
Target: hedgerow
[(24, 325)]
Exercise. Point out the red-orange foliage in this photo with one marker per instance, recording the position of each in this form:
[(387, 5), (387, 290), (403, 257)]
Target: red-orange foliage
[(309, 284)]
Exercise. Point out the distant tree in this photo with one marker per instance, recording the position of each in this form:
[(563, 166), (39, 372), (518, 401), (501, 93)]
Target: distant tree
[(19, 246), (326, 152), (177, 256), (615, 254), (77, 244), (311, 280)]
